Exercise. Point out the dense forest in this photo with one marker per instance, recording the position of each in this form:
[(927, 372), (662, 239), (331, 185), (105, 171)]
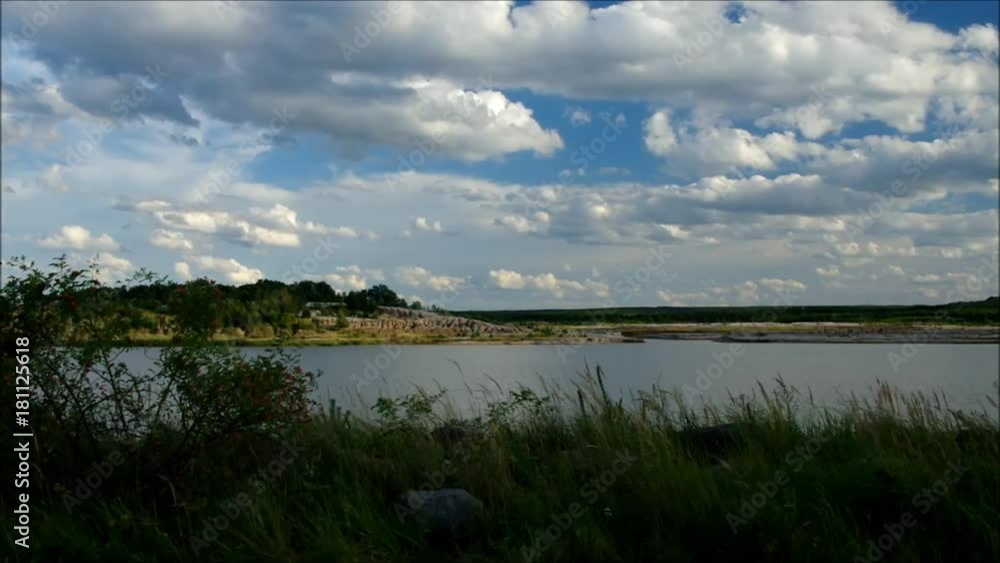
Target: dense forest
[(280, 306), (263, 309)]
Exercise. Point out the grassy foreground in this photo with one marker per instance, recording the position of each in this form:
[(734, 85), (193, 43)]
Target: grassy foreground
[(606, 482)]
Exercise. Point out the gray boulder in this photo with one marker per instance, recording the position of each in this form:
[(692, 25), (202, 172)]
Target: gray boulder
[(443, 509)]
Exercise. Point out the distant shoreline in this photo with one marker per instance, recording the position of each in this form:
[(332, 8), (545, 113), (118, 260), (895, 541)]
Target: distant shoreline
[(828, 333), (788, 333)]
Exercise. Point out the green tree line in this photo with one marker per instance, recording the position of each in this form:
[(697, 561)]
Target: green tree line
[(969, 312), (264, 308)]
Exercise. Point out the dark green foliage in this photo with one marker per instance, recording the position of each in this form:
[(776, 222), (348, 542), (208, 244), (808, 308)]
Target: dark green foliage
[(341, 320), (146, 433), (262, 308), (382, 296), (846, 476)]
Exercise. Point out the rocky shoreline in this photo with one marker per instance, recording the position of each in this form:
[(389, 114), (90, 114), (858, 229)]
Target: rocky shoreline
[(798, 333), (425, 328)]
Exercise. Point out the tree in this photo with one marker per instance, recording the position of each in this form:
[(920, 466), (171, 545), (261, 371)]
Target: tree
[(306, 291), (360, 301), (86, 400), (382, 296)]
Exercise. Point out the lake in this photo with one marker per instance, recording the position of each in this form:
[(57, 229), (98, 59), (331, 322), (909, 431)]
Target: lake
[(965, 374)]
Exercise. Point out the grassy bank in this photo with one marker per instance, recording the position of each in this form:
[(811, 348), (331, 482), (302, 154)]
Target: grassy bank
[(844, 476), (582, 334)]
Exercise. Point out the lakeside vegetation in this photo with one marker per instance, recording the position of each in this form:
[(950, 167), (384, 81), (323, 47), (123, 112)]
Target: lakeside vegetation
[(312, 313), (210, 456), (150, 308), (304, 313)]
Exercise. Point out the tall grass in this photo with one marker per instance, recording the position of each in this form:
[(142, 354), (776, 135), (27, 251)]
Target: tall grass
[(849, 472)]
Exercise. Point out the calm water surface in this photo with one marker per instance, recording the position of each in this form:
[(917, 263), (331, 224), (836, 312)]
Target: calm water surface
[(966, 374)]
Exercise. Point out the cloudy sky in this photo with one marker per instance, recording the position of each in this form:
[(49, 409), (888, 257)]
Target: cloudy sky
[(513, 154)]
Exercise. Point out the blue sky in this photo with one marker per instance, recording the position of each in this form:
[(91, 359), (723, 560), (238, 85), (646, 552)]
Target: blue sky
[(953, 16), (307, 161), (550, 111), (553, 152)]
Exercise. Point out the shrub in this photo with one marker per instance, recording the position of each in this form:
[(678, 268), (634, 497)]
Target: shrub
[(86, 401), (261, 331)]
